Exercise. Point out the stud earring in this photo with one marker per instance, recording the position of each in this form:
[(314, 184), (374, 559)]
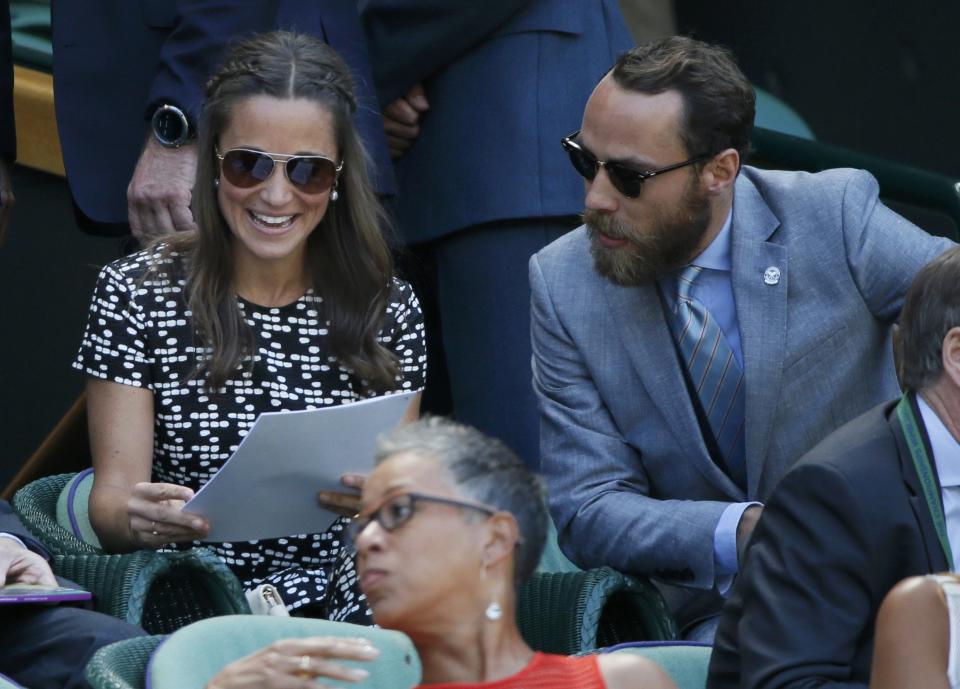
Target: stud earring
[(493, 611)]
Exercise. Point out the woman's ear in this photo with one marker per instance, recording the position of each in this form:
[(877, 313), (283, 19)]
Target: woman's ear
[(502, 537)]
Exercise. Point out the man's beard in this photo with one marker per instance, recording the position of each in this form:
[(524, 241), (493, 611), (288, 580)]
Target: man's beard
[(665, 245)]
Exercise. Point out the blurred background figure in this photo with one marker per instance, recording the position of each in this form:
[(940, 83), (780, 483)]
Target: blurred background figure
[(129, 79), (476, 98), (649, 20)]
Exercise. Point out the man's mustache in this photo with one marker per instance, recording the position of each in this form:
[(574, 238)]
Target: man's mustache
[(604, 224)]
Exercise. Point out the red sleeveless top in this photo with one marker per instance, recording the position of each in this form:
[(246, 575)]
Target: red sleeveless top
[(545, 671)]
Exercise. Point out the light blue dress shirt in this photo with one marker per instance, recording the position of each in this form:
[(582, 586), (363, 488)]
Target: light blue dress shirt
[(946, 457), (714, 289)]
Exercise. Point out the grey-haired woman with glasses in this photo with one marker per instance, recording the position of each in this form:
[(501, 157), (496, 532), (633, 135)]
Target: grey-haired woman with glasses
[(452, 524)]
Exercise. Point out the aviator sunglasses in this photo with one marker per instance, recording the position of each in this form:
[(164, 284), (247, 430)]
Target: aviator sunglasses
[(311, 174), (625, 178)]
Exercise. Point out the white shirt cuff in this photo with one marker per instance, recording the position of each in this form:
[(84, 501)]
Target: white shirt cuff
[(13, 538)]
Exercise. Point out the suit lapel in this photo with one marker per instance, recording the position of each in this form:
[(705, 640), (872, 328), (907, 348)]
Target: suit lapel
[(936, 560), (762, 316), (639, 318)]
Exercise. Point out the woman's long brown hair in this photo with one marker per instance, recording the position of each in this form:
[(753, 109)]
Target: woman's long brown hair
[(348, 259)]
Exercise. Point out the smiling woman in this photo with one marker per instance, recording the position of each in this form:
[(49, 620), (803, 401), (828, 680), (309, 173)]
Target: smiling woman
[(283, 299)]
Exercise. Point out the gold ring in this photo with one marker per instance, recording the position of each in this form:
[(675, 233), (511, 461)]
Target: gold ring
[(304, 670)]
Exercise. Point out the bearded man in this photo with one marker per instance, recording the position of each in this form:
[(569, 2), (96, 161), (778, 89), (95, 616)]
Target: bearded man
[(708, 325)]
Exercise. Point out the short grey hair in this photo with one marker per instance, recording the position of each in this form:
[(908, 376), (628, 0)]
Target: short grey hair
[(930, 310), (485, 470)]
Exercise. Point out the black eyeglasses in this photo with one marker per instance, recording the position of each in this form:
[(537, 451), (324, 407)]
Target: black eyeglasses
[(624, 177), (397, 510), (245, 168)]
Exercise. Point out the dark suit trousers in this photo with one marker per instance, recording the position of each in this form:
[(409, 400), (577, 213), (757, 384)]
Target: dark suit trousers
[(49, 647), (480, 294)]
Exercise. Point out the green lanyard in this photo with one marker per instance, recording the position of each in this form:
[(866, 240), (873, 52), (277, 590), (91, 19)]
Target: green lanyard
[(928, 482)]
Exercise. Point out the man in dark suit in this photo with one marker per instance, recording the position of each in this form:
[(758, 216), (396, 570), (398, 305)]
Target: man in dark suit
[(485, 91), (129, 77), (46, 647), (873, 503)]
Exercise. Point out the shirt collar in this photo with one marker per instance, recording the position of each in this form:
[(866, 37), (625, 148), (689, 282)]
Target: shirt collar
[(946, 450), (717, 254)]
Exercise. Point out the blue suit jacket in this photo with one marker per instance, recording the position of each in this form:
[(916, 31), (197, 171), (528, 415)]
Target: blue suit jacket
[(115, 62), (506, 80), (632, 484)]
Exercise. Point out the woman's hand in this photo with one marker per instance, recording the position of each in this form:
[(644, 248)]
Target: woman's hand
[(345, 504), (155, 516), (293, 663)]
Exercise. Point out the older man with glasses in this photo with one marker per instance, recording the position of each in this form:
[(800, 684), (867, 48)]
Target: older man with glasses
[(707, 325)]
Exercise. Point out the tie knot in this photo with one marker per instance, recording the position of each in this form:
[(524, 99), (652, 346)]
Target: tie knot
[(685, 280)]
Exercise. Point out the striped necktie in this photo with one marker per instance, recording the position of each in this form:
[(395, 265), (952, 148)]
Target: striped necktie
[(714, 373)]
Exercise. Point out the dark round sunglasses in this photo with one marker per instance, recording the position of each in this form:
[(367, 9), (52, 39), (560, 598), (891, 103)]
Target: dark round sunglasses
[(625, 178), (397, 510), (245, 169)]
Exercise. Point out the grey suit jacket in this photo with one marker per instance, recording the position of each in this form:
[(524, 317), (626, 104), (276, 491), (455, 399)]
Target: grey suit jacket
[(632, 484)]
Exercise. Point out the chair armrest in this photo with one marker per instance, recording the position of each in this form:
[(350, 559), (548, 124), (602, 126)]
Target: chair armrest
[(159, 591), (36, 505), (570, 612), (122, 665)]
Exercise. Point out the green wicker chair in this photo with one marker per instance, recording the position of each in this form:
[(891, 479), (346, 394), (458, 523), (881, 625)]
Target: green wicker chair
[(189, 658), (563, 609), (160, 591), (122, 665), (932, 200), (36, 505)]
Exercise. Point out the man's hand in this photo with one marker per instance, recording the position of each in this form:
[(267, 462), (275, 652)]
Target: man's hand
[(6, 198), (19, 565), (748, 522), (401, 120), (158, 197)]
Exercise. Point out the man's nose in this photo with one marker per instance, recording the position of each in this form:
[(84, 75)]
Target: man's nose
[(600, 193)]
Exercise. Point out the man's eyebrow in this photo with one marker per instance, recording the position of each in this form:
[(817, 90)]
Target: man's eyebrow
[(633, 162)]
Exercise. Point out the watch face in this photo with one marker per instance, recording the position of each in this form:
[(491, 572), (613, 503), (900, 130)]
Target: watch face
[(170, 126)]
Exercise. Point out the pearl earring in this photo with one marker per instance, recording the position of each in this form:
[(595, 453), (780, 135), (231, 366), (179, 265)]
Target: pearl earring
[(334, 195), (494, 612)]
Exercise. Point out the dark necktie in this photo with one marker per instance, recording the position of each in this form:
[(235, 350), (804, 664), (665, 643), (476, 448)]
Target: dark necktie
[(714, 373)]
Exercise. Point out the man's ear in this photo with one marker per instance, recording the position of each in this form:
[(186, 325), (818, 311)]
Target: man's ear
[(951, 355), (502, 538), (720, 172)]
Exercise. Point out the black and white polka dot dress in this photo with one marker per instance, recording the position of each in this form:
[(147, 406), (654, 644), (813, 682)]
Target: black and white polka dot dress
[(139, 333)]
